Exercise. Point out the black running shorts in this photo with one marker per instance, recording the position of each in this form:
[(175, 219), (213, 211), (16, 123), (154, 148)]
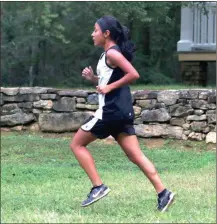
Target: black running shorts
[(102, 129)]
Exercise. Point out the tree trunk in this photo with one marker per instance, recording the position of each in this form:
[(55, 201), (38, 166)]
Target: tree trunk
[(31, 76), (146, 42), (31, 67)]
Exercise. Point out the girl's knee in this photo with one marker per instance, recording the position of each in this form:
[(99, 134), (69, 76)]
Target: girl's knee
[(133, 159), (73, 145)]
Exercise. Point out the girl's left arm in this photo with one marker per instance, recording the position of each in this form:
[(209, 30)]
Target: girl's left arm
[(118, 60)]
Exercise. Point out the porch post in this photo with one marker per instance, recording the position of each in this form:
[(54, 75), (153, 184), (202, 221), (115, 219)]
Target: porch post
[(186, 30)]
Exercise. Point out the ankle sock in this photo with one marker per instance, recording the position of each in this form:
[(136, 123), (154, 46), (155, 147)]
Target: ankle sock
[(97, 186)]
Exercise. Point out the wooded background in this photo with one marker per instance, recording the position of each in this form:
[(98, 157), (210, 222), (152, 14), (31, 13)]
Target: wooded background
[(49, 43)]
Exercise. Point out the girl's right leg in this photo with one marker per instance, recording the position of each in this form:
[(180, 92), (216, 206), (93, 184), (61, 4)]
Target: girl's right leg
[(85, 159)]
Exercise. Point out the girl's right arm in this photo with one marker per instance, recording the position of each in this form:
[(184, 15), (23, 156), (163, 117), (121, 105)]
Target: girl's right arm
[(88, 74)]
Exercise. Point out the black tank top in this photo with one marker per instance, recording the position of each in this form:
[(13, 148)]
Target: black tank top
[(117, 104)]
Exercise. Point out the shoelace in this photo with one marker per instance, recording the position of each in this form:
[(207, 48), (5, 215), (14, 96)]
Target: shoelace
[(91, 191)]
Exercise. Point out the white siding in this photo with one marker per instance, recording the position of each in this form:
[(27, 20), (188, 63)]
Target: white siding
[(203, 34)]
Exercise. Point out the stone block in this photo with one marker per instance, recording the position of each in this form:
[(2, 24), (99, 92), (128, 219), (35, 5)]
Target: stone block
[(66, 104), (17, 118), (62, 122), (9, 109), (186, 126), (158, 130), (199, 126), (48, 96), (199, 104), (78, 93), (180, 111), (25, 90), (86, 106), (39, 90), (196, 136), (9, 91), (137, 110), (177, 121), (27, 105), (158, 115), (211, 137), (45, 104), (145, 94), (146, 104), (204, 95), (188, 94), (93, 99), (198, 112), (21, 98), (196, 118), (211, 118), (138, 120), (80, 100), (168, 97), (211, 106)]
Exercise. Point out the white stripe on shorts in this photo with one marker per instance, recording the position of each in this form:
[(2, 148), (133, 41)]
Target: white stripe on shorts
[(89, 125)]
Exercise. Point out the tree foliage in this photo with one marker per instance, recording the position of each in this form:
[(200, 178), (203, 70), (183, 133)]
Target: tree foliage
[(49, 43)]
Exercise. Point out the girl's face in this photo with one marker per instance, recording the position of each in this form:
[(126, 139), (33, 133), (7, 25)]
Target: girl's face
[(98, 36)]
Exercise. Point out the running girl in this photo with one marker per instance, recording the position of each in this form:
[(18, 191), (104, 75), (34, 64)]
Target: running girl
[(115, 115)]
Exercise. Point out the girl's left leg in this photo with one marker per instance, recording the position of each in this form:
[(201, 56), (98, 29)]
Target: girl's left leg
[(130, 145)]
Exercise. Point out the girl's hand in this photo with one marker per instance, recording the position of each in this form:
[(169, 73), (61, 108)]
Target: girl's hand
[(103, 89), (88, 74)]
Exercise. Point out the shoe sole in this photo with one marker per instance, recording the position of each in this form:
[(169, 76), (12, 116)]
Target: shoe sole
[(104, 194), (172, 196)]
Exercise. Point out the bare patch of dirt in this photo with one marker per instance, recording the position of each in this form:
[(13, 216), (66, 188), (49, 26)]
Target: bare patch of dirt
[(154, 143), (5, 131), (211, 146), (57, 135)]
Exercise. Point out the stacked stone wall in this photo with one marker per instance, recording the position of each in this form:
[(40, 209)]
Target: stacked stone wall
[(181, 114)]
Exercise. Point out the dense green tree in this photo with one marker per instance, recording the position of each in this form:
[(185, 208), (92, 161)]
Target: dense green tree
[(49, 43)]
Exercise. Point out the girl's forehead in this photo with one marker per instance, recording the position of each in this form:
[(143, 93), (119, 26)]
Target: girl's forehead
[(96, 26)]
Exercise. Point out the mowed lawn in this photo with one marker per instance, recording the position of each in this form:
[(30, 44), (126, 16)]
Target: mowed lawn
[(41, 182)]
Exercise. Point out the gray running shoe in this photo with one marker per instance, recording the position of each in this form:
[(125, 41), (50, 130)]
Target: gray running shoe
[(95, 194), (165, 201)]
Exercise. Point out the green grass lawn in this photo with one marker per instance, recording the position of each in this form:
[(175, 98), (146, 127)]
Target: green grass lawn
[(41, 182), (135, 87), (168, 87)]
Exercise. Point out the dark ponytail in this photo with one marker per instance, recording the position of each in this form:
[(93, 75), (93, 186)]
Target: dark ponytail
[(126, 45), (120, 34)]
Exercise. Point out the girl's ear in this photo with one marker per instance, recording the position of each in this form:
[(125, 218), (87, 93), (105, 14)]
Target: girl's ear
[(106, 33)]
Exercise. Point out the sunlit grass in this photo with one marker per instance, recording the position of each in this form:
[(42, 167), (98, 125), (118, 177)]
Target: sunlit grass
[(43, 183)]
